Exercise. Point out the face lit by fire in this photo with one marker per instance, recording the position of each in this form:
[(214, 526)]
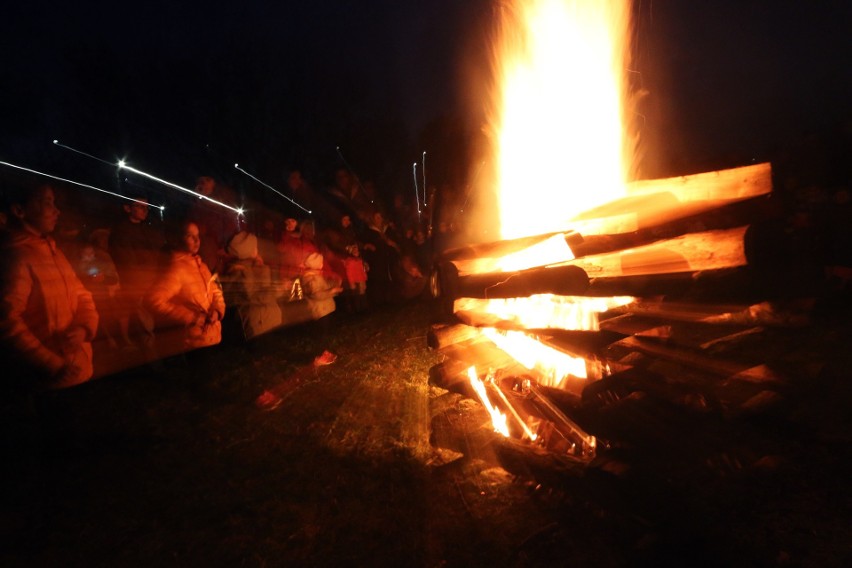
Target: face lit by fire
[(205, 185), (191, 238), (137, 211), (39, 212), (294, 180)]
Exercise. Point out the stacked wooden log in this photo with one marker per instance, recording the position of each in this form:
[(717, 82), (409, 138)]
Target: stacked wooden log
[(670, 368)]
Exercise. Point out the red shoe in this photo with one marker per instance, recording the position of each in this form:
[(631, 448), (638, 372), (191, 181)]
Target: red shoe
[(326, 358), (268, 401)]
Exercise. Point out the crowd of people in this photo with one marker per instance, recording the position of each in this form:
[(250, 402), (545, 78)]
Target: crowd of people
[(145, 289), (142, 288)]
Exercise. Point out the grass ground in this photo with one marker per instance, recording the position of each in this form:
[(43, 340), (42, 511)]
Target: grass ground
[(179, 467)]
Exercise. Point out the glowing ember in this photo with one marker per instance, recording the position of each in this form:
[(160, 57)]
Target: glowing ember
[(545, 311), (561, 66), (498, 419), (552, 365)]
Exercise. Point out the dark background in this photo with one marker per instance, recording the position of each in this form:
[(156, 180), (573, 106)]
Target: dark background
[(181, 89)]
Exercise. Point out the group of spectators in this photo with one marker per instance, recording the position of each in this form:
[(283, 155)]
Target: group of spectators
[(156, 289)]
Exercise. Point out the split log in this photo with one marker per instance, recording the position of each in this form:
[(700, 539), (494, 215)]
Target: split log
[(530, 462), (694, 252), (651, 203), (452, 376), (762, 314), (726, 369), (498, 249), (562, 280)]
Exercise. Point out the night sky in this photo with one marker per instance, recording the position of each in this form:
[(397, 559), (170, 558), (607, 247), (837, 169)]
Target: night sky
[(187, 89)]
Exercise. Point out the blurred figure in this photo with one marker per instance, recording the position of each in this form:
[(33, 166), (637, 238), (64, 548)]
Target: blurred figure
[(267, 247), (300, 191), (346, 254), (187, 294), (136, 248), (97, 272), (319, 288), (350, 196), (381, 253), (250, 294), (216, 224), (47, 317), (292, 251)]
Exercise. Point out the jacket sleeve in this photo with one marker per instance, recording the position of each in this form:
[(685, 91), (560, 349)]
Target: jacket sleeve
[(161, 298), (316, 287), (86, 315), (14, 328), (217, 300)]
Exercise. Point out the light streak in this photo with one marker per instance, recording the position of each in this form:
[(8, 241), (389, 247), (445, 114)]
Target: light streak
[(266, 185), (416, 192), (123, 165), (57, 143), (160, 207), (352, 173), (424, 182)]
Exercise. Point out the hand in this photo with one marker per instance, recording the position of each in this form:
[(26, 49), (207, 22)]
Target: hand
[(73, 339), (212, 317), (69, 375)]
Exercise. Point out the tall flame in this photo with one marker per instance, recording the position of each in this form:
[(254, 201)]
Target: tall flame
[(561, 105)]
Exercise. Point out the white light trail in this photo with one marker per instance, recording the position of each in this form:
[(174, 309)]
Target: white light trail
[(424, 182), (123, 165), (266, 185), (416, 192), (160, 207), (57, 143)]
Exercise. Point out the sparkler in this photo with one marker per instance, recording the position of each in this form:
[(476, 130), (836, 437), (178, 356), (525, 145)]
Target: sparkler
[(160, 207), (416, 192), (122, 165), (57, 143), (424, 182), (266, 185)]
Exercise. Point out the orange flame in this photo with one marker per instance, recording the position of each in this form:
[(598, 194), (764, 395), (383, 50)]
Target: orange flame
[(498, 419), (561, 144), (544, 311), (553, 365)]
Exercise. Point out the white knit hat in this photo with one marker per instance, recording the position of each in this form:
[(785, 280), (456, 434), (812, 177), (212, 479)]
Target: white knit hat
[(314, 261), (243, 245)]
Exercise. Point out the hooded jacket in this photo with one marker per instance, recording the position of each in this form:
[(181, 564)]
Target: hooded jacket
[(42, 299), (186, 291)]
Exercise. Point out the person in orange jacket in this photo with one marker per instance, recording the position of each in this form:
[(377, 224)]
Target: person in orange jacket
[(188, 294), (47, 317)]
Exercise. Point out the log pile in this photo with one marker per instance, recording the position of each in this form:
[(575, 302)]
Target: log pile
[(666, 376)]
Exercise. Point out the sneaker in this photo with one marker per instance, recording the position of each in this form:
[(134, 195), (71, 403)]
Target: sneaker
[(326, 358), (268, 401)]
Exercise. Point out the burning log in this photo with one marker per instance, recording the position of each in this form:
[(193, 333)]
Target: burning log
[(694, 252), (653, 202), (562, 280)]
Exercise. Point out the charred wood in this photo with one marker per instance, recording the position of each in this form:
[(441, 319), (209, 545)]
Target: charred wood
[(562, 280)]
